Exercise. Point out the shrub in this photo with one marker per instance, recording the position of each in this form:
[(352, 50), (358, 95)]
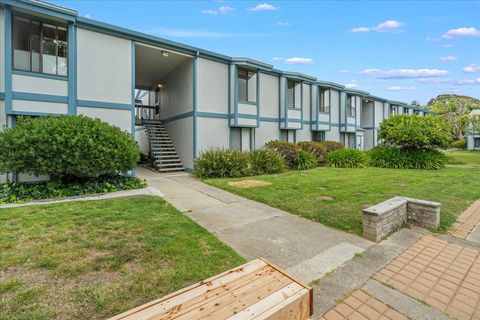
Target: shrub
[(218, 163), (305, 161), (391, 157), (459, 144), (317, 149), (66, 147), (20, 192), (266, 161), (288, 151), (332, 145), (415, 132), (347, 158)]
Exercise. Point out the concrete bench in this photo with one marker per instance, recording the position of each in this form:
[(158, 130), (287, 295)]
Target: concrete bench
[(256, 290), (383, 219)]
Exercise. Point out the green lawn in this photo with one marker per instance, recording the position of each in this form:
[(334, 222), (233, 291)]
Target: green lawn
[(90, 260), (299, 192)]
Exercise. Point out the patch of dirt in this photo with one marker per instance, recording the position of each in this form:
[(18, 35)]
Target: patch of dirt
[(366, 205), (244, 184), (324, 198)]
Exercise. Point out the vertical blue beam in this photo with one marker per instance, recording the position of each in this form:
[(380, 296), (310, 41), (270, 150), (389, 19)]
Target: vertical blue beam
[(329, 109), (8, 59), (374, 126), (301, 105), (258, 98), (235, 95), (72, 68)]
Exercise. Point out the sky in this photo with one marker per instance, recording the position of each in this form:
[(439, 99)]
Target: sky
[(403, 50)]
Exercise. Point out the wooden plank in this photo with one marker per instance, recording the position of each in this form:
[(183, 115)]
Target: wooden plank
[(236, 299), (265, 304), (177, 298), (215, 294), (296, 307), (295, 279)]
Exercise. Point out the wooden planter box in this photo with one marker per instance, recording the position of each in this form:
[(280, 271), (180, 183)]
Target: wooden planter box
[(255, 290)]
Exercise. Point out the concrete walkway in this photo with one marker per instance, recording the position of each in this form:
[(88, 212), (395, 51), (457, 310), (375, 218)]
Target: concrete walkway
[(307, 249)]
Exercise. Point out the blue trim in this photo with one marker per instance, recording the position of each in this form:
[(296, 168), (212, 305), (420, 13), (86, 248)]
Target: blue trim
[(2, 95), (268, 119), (40, 75), (248, 102), (35, 114), (195, 107), (8, 59), (106, 105), (373, 138), (178, 117), (329, 108), (257, 96), (301, 103), (213, 115), (39, 97), (72, 69), (235, 95), (133, 172), (44, 8)]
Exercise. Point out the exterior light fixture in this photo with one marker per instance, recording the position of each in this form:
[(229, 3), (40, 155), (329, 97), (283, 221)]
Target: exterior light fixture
[(164, 53), (160, 86)]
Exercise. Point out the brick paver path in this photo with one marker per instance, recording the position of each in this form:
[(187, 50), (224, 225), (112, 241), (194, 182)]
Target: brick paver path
[(466, 221), (361, 306), (444, 275)]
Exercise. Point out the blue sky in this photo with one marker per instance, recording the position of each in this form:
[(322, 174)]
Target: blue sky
[(398, 50)]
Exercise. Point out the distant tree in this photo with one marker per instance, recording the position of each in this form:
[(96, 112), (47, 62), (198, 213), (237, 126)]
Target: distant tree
[(455, 109), (415, 103)]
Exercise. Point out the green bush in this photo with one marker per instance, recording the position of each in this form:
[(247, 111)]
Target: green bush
[(218, 163), (459, 144), (391, 157), (266, 161), (288, 151), (317, 149), (332, 145), (415, 132), (67, 148), (305, 161), (347, 158), (21, 192)]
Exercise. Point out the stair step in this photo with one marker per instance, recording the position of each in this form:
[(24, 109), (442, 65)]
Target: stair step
[(170, 165), (171, 170)]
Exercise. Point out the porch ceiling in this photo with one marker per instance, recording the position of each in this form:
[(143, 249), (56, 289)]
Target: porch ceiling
[(151, 66)]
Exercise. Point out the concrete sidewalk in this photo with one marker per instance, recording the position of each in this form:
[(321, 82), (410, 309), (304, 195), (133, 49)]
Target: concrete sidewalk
[(305, 248)]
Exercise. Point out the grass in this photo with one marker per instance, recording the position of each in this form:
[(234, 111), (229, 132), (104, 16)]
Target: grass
[(91, 260), (304, 192)]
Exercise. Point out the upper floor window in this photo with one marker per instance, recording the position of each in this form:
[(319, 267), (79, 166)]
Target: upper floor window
[(39, 47), (324, 105), (393, 110), (405, 111), (247, 85), (351, 106), (294, 95)]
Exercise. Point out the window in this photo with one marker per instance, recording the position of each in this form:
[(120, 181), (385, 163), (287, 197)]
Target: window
[(351, 106), (476, 143), (393, 110), (39, 47), (405, 110), (247, 85), (242, 139), (324, 100), (293, 97), (318, 136)]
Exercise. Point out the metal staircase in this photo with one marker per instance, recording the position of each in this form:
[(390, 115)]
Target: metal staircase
[(162, 150)]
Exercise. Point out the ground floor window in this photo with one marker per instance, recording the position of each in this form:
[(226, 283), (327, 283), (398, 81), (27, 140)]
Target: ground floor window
[(288, 135), (348, 139), (318, 136), (242, 139), (476, 142)]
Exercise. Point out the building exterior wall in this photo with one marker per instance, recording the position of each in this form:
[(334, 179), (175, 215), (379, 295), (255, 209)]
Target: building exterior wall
[(212, 86), (2, 49)]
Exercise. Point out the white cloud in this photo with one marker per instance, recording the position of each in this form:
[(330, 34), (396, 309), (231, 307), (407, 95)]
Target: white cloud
[(403, 73), (462, 82), (448, 45), (221, 10), (431, 39), (360, 29), (263, 7), (433, 80), (471, 68), (283, 24), (388, 25), (382, 27), (400, 88), (88, 16), (298, 60), (448, 58), (468, 82), (352, 84), (461, 32), (278, 59), (344, 71), (186, 33)]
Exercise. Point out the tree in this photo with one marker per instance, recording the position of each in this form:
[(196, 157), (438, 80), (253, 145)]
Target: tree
[(415, 103), (414, 132), (454, 109)]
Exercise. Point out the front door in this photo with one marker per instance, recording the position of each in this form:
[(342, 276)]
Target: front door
[(360, 142)]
